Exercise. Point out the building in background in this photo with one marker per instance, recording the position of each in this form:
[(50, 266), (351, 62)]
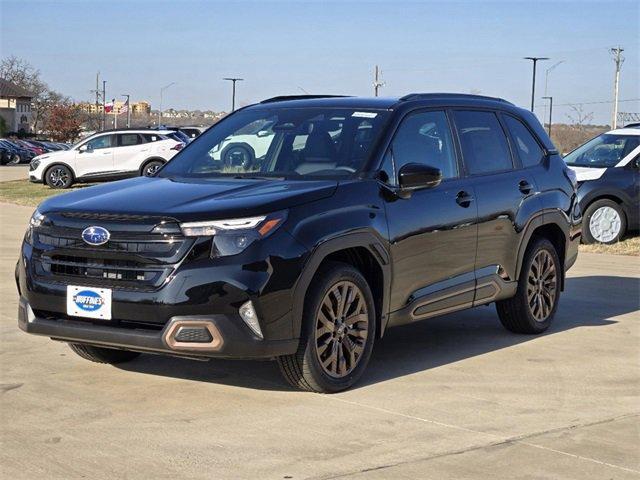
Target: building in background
[(137, 108), (15, 106)]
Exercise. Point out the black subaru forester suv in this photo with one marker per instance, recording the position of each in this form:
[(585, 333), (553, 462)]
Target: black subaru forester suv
[(327, 221)]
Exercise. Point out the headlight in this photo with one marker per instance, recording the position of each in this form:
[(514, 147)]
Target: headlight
[(233, 236), (35, 163), (35, 221)]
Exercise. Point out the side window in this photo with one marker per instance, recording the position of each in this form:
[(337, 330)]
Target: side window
[(425, 138), (151, 137), (97, 143), (528, 148), (128, 139), (484, 144)]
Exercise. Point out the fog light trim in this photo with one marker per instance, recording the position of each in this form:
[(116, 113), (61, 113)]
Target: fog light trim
[(250, 318)]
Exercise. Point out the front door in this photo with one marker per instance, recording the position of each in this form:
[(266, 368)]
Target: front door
[(95, 157), (433, 232)]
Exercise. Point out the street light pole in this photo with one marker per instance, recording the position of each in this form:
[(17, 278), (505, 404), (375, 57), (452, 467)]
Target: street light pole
[(128, 110), (546, 82), (233, 91), (550, 113), (533, 85), (104, 102), (161, 92)]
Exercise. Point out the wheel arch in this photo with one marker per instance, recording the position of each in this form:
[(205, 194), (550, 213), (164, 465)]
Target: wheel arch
[(46, 169), (364, 252), (151, 159), (550, 226)]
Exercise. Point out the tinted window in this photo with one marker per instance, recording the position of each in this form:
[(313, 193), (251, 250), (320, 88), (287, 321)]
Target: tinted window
[(97, 143), (484, 144), (529, 150), (603, 151), (425, 138), (127, 139), (152, 137)]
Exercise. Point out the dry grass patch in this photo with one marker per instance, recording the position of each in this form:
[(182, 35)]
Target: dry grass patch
[(627, 246)]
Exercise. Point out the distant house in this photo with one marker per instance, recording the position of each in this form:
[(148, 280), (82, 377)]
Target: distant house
[(15, 106)]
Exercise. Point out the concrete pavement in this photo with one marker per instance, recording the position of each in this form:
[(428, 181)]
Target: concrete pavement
[(456, 397), (14, 172)]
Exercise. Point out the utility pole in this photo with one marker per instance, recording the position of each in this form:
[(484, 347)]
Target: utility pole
[(533, 85), (128, 110), (550, 113), (161, 92), (104, 97), (377, 81), (619, 60), (233, 91)]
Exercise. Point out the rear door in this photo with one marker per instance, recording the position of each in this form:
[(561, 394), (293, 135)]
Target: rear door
[(95, 157), (506, 199), (130, 152)]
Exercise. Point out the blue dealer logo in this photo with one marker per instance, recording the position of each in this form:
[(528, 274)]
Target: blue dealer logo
[(95, 235), (88, 301)]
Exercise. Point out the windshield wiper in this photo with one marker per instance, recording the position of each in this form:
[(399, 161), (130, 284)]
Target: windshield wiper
[(258, 177)]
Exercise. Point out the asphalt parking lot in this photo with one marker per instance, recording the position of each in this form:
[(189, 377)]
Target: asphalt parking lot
[(451, 398)]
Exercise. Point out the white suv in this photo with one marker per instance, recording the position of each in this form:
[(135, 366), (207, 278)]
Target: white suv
[(109, 155)]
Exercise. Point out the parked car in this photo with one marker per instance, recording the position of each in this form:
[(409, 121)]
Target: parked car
[(176, 133), (19, 153), (5, 155), (607, 168), (108, 155), (34, 148), (192, 131), (363, 214)]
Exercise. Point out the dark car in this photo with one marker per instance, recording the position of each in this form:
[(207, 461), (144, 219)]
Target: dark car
[(18, 153), (608, 172), (362, 214)]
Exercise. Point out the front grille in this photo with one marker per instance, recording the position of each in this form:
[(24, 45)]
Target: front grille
[(131, 259)]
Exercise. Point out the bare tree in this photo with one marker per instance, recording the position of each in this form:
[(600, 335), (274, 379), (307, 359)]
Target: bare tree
[(23, 74), (578, 117)]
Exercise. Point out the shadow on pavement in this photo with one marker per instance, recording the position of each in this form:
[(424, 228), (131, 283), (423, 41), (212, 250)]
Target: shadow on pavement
[(586, 302)]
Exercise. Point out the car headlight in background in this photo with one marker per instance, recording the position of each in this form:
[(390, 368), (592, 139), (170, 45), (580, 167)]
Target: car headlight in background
[(233, 236)]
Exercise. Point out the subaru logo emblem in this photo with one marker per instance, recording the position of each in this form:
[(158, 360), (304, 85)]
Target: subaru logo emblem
[(95, 235)]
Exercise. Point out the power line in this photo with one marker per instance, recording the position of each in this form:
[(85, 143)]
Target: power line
[(591, 103)]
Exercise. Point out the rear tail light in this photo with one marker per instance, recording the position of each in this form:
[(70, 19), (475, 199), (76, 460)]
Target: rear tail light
[(178, 146)]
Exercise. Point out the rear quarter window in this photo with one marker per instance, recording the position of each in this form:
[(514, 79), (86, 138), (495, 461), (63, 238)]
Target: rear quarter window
[(526, 145)]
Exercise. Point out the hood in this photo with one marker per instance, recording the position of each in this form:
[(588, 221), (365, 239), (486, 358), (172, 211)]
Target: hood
[(51, 154), (587, 173), (190, 199)]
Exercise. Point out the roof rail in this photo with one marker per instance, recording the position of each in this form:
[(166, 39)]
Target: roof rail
[(427, 96), (281, 98)]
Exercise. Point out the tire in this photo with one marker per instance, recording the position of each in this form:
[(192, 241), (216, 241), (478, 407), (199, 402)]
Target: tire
[(348, 340), (238, 155), (58, 176), (603, 213), (103, 355), (534, 305), (14, 160), (150, 168)]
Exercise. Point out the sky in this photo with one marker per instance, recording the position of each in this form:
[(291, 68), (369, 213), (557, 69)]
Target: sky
[(288, 48)]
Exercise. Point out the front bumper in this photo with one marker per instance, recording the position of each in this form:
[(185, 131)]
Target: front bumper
[(229, 339)]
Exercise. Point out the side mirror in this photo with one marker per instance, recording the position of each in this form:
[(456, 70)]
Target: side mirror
[(263, 133), (85, 148), (414, 176)]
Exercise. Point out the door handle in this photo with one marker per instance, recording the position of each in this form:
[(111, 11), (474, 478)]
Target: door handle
[(464, 199), (107, 153), (525, 187)]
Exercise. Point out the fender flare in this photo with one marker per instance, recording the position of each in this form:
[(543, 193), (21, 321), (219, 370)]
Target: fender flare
[(549, 217), (366, 240)]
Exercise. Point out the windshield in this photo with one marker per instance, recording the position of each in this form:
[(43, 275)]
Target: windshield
[(603, 151), (291, 142)]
